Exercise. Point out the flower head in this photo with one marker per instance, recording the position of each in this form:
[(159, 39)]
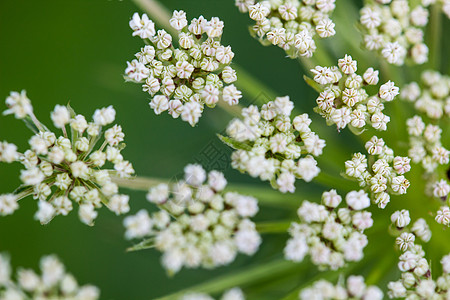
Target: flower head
[(198, 224), (183, 80), (66, 168)]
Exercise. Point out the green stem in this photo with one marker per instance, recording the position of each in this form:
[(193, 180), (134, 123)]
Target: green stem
[(273, 227), (333, 182), (435, 36), (137, 183), (266, 196), (250, 275)]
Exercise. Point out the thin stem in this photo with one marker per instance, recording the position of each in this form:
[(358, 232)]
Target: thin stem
[(136, 183), (234, 110), (436, 30), (250, 275), (273, 227)]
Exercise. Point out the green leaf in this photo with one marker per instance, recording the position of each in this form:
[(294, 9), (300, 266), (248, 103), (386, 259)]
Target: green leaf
[(317, 87), (234, 144)]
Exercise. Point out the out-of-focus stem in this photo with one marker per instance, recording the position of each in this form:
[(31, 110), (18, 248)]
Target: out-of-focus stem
[(273, 227), (137, 183), (265, 195), (250, 275), (436, 30)]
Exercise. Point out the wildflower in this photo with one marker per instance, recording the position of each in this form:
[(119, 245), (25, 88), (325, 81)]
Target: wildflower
[(321, 231), (269, 145), (60, 170), (53, 282), (209, 226), (384, 175), (343, 99), (395, 30), (432, 97), (290, 25), (183, 80)]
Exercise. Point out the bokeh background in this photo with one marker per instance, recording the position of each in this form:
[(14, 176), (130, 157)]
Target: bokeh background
[(61, 51)]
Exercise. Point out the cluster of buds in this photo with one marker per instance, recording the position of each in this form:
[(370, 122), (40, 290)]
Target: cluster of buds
[(425, 144), (270, 146), (332, 236), (416, 281), (209, 226), (52, 283), (382, 173), (433, 98), (344, 100), (355, 289), (405, 234), (290, 24), (231, 294), (183, 80), (395, 29), (66, 168)]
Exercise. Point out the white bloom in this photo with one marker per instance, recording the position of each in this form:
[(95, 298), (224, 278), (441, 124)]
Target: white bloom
[(104, 116), (119, 204), (142, 27), (8, 204), (357, 200), (60, 116)]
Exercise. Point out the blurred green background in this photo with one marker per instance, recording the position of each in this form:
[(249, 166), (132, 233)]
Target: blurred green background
[(61, 51)]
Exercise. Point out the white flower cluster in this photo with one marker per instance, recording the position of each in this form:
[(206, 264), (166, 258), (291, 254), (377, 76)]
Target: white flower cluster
[(383, 176), (406, 235), (183, 80), (416, 281), (231, 294), (290, 24), (60, 170), (270, 146), (434, 97), (425, 144), (332, 236), (343, 99), (355, 289), (209, 228), (53, 282), (395, 29)]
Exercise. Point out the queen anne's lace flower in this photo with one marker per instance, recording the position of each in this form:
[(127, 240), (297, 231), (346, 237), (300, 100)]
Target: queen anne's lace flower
[(331, 236), (183, 80), (343, 99), (426, 149), (52, 283), (416, 280), (354, 289), (433, 98), (198, 224), (60, 170), (395, 29), (381, 176), (290, 24), (270, 146)]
